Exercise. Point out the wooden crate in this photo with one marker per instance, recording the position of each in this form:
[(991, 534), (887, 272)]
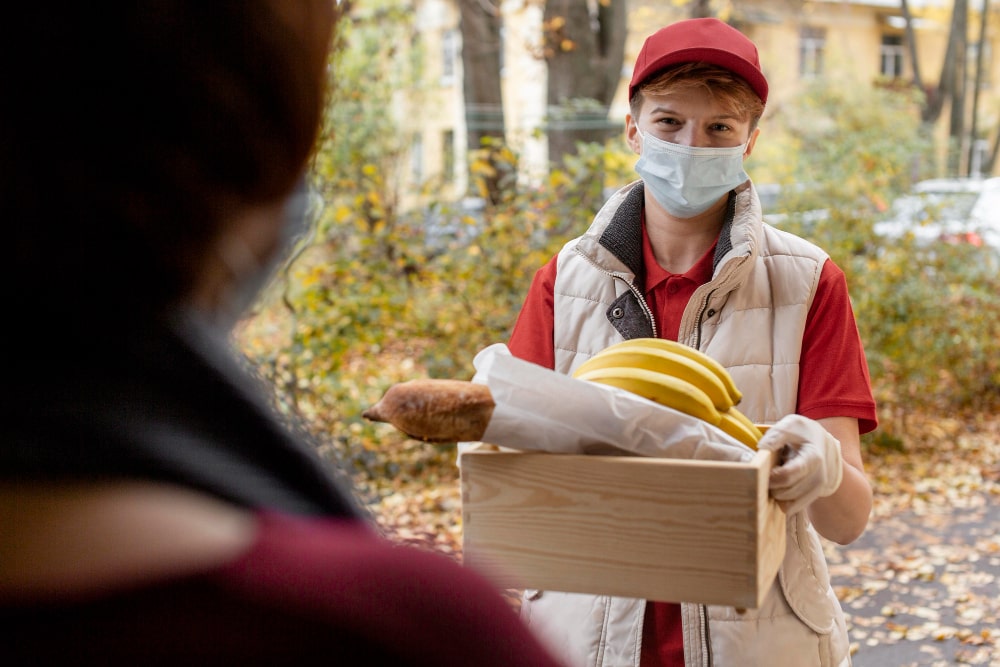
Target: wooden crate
[(659, 529)]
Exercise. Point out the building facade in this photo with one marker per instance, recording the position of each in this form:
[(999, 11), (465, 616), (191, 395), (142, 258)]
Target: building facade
[(846, 42)]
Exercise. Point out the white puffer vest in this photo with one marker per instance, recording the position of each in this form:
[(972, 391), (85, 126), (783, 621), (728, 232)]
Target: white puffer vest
[(751, 317)]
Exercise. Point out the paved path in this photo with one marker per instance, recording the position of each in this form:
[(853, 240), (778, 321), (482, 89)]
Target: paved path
[(922, 587)]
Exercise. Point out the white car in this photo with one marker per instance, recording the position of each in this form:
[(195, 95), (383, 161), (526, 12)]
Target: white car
[(950, 210)]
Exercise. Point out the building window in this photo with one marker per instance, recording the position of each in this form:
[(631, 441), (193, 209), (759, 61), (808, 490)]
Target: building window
[(449, 56), (891, 56), (417, 158), (812, 41), (448, 156)]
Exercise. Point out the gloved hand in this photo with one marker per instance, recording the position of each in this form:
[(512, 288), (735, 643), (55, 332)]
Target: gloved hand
[(809, 463)]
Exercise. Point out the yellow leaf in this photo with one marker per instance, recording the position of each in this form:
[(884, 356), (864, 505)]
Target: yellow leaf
[(341, 214), (557, 178)]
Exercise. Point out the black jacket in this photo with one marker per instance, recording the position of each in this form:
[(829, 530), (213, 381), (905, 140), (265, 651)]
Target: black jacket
[(164, 402)]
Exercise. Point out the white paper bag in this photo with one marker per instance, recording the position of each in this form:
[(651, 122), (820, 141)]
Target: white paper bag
[(538, 409)]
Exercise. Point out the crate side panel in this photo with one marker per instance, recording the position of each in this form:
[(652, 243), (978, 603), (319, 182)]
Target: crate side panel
[(656, 528)]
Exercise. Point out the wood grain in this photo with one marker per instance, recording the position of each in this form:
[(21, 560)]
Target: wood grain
[(661, 529)]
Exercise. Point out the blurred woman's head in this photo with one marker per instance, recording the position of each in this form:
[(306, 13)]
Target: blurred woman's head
[(131, 138)]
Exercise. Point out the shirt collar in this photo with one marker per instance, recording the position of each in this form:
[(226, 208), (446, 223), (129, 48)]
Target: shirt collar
[(699, 274)]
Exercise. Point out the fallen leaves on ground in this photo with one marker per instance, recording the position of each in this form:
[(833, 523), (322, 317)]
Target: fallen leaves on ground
[(424, 517), (922, 585)]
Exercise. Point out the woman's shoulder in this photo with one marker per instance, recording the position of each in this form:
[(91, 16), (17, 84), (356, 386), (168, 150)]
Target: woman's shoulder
[(186, 571), (76, 539)]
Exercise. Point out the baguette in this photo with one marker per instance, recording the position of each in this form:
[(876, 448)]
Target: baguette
[(435, 410)]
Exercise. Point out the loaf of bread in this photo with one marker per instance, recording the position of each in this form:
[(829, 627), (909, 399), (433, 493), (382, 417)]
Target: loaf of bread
[(435, 410)]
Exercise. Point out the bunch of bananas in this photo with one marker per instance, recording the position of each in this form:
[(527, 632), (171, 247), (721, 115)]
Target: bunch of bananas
[(674, 375)]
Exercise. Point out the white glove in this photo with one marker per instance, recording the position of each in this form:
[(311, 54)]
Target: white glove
[(808, 466)]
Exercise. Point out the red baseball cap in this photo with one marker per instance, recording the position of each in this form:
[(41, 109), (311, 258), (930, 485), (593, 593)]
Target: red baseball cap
[(700, 40)]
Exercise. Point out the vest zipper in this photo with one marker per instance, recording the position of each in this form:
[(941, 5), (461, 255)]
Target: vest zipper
[(701, 316), (631, 286), (642, 302), (706, 644)]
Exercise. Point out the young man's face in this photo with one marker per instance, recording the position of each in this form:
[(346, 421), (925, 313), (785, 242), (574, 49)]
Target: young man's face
[(693, 117)]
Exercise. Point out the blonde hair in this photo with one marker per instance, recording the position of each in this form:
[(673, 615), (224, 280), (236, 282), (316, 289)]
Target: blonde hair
[(725, 86)]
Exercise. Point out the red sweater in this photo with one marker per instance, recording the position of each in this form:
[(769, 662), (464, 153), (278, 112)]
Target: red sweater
[(308, 592)]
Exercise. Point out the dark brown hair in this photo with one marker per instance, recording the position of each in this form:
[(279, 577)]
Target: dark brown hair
[(129, 133)]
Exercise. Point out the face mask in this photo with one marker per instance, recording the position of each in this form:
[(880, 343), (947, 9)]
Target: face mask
[(687, 180), (300, 215)]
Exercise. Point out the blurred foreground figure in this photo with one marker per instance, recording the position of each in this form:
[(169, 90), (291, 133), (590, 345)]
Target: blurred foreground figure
[(152, 509)]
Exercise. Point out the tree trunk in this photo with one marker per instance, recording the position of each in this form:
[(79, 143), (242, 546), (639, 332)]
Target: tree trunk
[(956, 124), (911, 43), (480, 22), (994, 149), (701, 9), (480, 27), (585, 52), (946, 81), (978, 81)]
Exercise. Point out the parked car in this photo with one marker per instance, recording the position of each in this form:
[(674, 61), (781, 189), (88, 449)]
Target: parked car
[(459, 222), (951, 210)]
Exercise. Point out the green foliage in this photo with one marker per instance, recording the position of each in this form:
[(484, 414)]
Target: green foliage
[(386, 294), (928, 315), (374, 303), (366, 75), (478, 285), (847, 153)]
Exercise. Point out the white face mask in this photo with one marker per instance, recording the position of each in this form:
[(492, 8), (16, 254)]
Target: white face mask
[(301, 212), (687, 180)]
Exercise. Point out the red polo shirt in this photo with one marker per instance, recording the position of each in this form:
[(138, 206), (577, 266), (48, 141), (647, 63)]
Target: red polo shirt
[(667, 295), (833, 373)]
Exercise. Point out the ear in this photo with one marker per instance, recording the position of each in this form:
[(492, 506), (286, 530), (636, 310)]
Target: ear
[(751, 142), (632, 135)]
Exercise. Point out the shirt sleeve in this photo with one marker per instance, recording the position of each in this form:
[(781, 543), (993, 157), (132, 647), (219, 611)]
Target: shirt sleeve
[(532, 338), (834, 379)]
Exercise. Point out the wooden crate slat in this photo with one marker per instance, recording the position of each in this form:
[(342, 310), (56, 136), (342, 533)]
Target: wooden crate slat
[(696, 531)]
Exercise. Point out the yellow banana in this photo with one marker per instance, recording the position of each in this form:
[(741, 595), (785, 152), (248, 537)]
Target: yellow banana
[(679, 348), (662, 361), (746, 422), (663, 389), (736, 427)]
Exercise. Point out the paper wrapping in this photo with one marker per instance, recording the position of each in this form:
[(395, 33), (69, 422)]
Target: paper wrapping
[(538, 409)]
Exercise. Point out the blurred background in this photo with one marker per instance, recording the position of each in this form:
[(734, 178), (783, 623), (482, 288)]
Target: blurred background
[(467, 140)]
